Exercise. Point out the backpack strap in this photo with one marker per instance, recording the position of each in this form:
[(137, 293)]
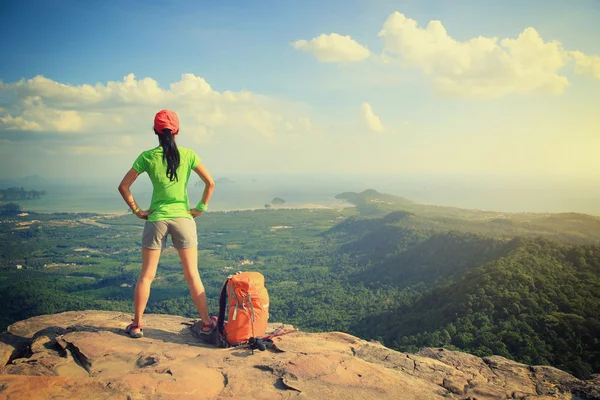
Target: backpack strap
[(222, 310)]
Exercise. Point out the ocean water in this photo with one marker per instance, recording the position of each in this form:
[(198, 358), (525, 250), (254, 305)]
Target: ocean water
[(251, 192), (243, 193)]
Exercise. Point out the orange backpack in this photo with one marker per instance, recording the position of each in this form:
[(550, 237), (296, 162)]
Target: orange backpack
[(245, 296)]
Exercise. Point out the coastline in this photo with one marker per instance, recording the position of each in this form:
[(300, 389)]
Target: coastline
[(115, 214), (290, 207)]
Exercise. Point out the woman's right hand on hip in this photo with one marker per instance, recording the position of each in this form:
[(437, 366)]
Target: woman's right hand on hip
[(143, 214)]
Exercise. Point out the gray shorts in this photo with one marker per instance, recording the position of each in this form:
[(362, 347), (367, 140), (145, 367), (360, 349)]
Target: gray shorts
[(182, 231)]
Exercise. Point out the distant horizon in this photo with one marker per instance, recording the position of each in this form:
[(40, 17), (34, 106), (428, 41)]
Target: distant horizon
[(253, 191), (595, 176)]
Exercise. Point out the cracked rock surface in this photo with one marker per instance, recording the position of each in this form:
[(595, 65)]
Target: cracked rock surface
[(86, 355)]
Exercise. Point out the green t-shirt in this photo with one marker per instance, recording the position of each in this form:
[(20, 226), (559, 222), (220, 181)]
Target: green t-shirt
[(169, 199)]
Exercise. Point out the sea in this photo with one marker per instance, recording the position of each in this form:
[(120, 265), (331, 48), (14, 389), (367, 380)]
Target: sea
[(243, 192)]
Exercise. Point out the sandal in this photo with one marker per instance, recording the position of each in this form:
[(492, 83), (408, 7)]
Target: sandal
[(131, 327), (207, 329)]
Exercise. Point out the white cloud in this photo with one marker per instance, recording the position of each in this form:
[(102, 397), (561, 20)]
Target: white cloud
[(480, 67), (128, 107), (143, 91), (333, 48), (372, 121), (305, 124), (19, 123), (586, 65), (37, 117)]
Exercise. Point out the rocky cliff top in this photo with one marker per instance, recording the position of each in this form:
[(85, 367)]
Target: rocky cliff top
[(86, 355)]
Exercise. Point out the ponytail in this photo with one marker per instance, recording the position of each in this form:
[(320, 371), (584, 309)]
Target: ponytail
[(170, 153)]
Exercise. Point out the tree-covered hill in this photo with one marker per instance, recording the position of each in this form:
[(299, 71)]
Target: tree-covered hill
[(380, 213), (525, 286), (440, 258), (539, 304)]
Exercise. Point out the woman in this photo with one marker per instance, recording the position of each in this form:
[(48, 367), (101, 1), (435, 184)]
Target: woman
[(169, 170)]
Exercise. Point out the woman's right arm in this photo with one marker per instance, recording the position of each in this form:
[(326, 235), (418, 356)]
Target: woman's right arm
[(209, 186), (124, 189)]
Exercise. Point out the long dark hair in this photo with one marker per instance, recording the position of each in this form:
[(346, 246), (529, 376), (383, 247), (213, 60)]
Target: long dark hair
[(170, 153)]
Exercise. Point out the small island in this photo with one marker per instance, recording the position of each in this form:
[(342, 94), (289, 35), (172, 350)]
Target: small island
[(275, 202), (15, 193)]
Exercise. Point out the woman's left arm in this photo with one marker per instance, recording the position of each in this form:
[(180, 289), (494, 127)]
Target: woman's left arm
[(124, 189), (209, 186)]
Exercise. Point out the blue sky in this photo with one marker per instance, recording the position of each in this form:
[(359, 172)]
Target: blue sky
[(413, 100)]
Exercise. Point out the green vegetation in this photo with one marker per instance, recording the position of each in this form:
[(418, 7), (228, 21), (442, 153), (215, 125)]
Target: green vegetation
[(524, 286), (528, 299)]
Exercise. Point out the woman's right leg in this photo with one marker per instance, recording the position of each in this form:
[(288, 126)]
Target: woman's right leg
[(150, 259), (189, 261), (153, 239)]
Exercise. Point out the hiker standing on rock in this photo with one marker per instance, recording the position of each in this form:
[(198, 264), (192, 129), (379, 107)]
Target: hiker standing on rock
[(169, 168)]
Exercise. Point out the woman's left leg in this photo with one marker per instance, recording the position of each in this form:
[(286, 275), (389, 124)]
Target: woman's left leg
[(189, 261), (185, 240)]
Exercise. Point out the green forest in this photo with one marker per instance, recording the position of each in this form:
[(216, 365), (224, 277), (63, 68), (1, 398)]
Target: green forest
[(523, 286)]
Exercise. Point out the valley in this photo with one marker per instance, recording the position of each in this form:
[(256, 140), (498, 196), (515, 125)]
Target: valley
[(524, 286)]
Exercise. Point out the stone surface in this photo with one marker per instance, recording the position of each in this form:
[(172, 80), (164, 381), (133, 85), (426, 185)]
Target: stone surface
[(6, 351), (87, 355)]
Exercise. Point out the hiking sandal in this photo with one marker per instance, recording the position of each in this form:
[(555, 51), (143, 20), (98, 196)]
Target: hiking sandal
[(131, 327), (207, 329)]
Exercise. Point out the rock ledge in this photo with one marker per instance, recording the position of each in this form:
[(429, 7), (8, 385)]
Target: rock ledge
[(86, 355)]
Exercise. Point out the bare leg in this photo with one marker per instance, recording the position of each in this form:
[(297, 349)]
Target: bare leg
[(150, 259), (189, 261)]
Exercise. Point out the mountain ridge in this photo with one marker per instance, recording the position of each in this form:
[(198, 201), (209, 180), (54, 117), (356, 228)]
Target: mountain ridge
[(398, 211)]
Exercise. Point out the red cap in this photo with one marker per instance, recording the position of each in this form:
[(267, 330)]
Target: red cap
[(166, 119)]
